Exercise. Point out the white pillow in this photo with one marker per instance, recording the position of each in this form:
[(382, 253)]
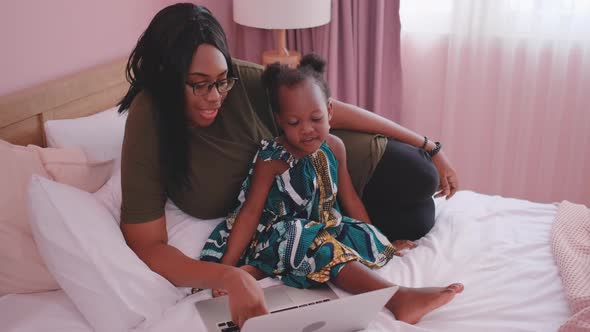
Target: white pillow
[(186, 233), (85, 251), (99, 135), (110, 195)]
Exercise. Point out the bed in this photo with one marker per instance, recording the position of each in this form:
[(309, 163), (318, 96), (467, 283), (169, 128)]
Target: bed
[(502, 249)]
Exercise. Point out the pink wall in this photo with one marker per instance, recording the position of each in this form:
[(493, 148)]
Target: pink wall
[(44, 40)]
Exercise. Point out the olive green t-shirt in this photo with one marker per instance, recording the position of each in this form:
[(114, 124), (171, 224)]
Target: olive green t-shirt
[(220, 155)]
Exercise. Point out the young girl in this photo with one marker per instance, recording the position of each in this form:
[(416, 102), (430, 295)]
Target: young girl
[(289, 224)]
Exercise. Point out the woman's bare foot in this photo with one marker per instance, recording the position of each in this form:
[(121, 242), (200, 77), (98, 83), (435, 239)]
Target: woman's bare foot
[(411, 304)]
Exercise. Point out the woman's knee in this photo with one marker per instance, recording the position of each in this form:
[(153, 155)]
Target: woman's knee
[(424, 176), (405, 174), (409, 222)]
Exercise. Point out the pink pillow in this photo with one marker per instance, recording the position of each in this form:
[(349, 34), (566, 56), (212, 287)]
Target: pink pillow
[(70, 166), (21, 268)]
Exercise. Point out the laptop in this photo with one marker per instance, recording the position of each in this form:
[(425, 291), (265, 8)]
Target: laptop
[(305, 310)]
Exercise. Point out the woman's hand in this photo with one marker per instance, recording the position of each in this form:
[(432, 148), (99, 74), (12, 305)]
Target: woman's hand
[(251, 270), (449, 182), (246, 299)]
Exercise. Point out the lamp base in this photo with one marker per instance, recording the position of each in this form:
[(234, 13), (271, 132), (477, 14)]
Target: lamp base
[(291, 59)]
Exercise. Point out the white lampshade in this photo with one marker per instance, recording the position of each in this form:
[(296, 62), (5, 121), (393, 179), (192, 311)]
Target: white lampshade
[(282, 14)]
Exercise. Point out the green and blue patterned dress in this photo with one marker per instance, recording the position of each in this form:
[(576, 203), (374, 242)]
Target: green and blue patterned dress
[(302, 238)]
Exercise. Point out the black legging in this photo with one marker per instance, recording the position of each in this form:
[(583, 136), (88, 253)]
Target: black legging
[(399, 195)]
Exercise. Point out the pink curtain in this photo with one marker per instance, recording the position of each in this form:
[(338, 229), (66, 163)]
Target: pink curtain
[(505, 85), (361, 46), (248, 43), (244, 42)]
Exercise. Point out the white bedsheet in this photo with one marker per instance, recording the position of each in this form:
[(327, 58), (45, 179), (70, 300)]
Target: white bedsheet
[(498, 247), (49, 311)]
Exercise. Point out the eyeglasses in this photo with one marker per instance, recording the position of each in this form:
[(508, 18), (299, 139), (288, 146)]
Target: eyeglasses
[(203, 88)]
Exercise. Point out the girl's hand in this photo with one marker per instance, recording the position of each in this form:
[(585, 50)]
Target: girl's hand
[(402, 245), (246, 299), (254, 272), (217, 292), (449, 182)]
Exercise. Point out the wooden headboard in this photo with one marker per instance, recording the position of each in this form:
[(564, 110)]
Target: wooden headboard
[(23, 113)]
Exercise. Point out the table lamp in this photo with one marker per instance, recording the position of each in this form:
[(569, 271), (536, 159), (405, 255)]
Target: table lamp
[(280, 15)]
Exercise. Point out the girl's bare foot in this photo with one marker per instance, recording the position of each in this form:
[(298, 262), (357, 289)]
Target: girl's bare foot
[(411, 304), (407, 304)]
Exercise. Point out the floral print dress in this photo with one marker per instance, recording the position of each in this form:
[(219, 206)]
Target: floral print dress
[(302, 237)]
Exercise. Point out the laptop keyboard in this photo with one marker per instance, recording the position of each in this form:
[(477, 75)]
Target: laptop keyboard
[(230, 326)]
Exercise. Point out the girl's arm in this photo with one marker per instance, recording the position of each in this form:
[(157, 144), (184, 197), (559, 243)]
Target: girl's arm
[(351, 202), (350, 117), (249, 216)]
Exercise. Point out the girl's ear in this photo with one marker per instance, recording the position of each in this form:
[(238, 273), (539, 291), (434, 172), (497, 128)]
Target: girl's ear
[(330, 109)]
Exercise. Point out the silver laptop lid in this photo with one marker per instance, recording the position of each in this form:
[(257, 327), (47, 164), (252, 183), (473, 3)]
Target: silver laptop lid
[(215, 312), (350, 313)]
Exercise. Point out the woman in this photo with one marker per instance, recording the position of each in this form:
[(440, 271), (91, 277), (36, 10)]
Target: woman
[(195, 120)]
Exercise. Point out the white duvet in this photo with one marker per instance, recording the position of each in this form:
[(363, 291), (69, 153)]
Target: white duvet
[(498, 247)]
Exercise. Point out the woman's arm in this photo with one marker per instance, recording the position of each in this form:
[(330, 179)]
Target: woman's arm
[(248, 218), (351, 203), (143, 222), (150, 242), (347, 116)]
